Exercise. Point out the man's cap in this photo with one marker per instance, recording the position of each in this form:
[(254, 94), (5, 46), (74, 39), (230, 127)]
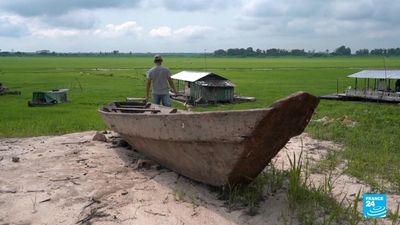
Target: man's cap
[(158, 58)]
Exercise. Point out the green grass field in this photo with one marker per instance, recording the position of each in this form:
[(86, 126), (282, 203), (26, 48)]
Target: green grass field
[(372, 147)]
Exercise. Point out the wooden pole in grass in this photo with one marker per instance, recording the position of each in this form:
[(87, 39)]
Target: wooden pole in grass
[(337, 85), (365, 86), (356, 84)]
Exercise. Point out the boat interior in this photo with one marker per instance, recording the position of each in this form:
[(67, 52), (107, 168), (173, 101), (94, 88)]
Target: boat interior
[(139, 107)]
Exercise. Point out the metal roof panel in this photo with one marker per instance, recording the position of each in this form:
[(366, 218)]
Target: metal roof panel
[(377, 74), (192, 76)]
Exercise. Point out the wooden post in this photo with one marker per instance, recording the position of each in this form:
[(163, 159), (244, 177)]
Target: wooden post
[(337, 86), (356, 85), (365, 84)]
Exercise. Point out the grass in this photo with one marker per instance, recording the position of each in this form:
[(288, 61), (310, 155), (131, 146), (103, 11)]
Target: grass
[(317, 205), (313, 205), (329, 162), (250, 195), (395, 216), (372, 147)]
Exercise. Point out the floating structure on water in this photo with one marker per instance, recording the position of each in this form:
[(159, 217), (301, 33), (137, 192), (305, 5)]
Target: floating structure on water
[(205, 88), (378, 86), (43, 98), (217, 148)]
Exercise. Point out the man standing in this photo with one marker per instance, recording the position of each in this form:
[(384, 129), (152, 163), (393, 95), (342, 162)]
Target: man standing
[(161, 77)]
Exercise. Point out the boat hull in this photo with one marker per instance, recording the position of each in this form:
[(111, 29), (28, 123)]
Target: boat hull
[(216, 148)]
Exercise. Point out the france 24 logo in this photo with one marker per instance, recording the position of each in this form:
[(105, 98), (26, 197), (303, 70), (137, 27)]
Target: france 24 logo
[(374, 205)]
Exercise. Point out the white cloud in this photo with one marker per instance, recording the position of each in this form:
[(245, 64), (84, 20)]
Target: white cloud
[(318, 19), (312, 24), (190, 31), (129, 28), (22, 26), (55, 32), (352, 10), (12, 26), (163, 31), (264, 8), (59, 7), (79, 19), (193, 5), (383, 34), (117, 30)]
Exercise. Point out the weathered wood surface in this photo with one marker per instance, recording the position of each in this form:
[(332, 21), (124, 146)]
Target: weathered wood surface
[(215, 147)]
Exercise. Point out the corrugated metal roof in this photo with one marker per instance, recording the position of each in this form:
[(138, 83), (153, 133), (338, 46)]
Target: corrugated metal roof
[(215, 83), (377, 74), (193, 76)]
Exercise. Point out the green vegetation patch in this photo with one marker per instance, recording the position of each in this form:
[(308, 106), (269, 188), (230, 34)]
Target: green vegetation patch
[(372, 145)]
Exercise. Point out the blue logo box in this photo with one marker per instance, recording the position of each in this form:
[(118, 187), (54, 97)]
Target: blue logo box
[(374, 205)]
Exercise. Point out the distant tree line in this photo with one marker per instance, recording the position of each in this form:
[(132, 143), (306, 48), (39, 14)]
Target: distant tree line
[(235, 52), (52, 53), (340, 51), (100, 54)]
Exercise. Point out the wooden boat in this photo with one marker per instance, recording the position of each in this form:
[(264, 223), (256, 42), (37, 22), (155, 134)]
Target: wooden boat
[(217, 148)]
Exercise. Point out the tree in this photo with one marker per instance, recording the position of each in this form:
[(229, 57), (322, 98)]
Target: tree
[(220, 52), (297, 52), (393, 51), (378, 51), (249, 51), (273, 52), (362, 52), (342, 50)]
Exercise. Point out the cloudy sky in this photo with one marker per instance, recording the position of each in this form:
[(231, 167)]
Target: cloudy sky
[(196, 25)]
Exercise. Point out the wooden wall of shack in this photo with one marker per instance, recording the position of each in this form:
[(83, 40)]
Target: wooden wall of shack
[(211, 94), (212, 89)]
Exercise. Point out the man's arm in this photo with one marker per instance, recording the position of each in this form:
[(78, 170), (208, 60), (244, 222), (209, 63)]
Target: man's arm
[(148, 85), (171, 84)]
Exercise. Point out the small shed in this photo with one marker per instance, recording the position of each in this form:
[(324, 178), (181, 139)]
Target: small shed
[(204, 87), (41, 98)]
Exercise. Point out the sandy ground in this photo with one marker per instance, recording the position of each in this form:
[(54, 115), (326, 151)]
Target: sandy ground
[(71, 179)]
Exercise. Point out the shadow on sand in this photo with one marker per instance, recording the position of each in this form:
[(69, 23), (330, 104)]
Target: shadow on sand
[(272, 210)]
